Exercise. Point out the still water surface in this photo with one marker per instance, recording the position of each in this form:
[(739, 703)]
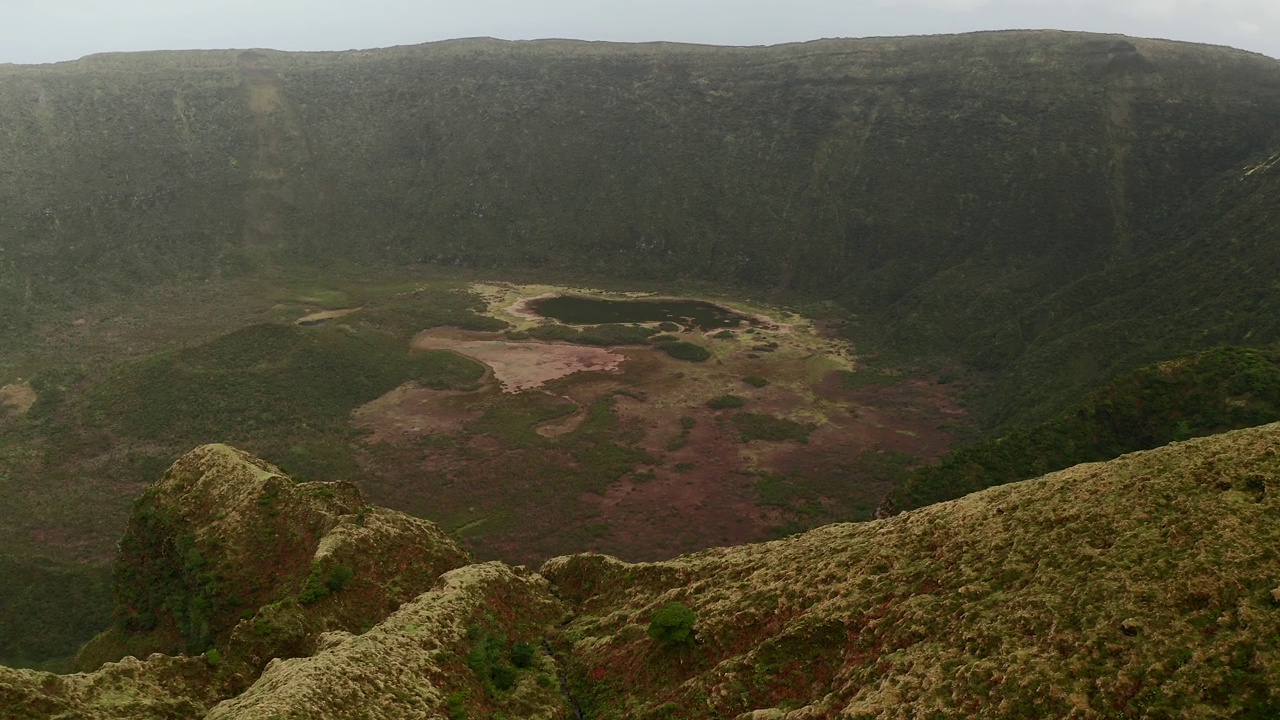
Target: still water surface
[(575, 310)]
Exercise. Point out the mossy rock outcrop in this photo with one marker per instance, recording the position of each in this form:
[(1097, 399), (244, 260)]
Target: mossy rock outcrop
[(226, 552), (421, 660)]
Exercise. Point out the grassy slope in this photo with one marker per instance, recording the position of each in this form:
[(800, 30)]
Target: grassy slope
[(1141, 587), (1210, 392), (942, 183)]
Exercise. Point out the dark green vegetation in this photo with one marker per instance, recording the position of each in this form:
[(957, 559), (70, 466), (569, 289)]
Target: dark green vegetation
[(1211, 392), (49, 608), (281, 390), (576, 310), (855, 379), (682, 350), (726, 402), (278, 385), (672, 624), (495, 661)]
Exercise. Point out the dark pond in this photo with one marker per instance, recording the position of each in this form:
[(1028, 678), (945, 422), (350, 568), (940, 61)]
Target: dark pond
[(575, 310)]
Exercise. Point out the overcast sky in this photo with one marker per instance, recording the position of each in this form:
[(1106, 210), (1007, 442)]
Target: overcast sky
[(34, 31)]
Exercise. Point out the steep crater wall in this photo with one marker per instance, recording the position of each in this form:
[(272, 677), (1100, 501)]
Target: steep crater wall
[(942, 182)]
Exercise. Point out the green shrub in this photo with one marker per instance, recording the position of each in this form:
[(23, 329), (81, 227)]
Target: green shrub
[(726, 402), (522, 655), (724, 335), (672, 625), (755, 381), (686, 351), (487, 658), (503, 677), (669, 327), (455, 707), (317, 588)]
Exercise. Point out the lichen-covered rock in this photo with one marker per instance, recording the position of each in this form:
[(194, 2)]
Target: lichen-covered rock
[(160, 688), (1138, 587)]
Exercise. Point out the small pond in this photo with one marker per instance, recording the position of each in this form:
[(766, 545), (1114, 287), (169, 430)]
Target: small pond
[(576, 310)]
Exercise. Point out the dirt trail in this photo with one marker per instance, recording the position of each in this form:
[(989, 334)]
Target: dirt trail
[(319, 317)]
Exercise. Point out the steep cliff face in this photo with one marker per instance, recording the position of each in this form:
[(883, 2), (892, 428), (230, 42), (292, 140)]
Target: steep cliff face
[(1142, 586), (945, 181)]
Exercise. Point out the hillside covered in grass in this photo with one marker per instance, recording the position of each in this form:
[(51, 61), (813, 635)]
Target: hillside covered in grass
[(1141, 587)]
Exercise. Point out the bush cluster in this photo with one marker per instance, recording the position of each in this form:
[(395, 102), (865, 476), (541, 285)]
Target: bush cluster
[(681, 350), (726, 402), (672, 625)]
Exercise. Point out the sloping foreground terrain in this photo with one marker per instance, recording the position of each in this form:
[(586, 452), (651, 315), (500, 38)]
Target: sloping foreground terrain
[(1142, 587)]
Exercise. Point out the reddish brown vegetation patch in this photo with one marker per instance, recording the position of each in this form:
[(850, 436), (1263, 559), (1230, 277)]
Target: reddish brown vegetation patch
[(517, 499)]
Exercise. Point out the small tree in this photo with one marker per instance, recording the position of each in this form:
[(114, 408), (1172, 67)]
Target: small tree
[(672, 625)]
